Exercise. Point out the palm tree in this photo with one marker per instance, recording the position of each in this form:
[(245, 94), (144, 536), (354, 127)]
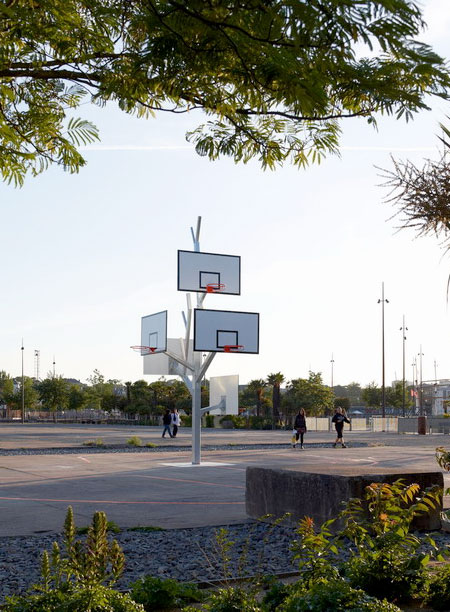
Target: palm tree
[(274, 381), (257, 386)]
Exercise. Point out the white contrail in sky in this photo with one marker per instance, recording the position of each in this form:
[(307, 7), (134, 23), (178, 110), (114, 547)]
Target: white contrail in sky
[(395, 149), (136, 148)]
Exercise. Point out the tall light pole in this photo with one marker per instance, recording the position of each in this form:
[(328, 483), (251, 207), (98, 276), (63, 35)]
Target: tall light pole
[(23, 388), (414, 376), (415, 383), (421, 382), (404, 329), (332, 371), (434, 405), (383, 385)]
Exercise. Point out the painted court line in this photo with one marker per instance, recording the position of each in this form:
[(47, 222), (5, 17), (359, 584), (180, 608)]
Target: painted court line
[(202, 464), (202, 482), (108, 501)]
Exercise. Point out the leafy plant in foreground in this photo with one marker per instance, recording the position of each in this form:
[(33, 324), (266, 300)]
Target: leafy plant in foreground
[(80, 578), (314, 552), (438, 596), (336, 596), (275, 593), (159, 594), (385, 556), (230, 599)]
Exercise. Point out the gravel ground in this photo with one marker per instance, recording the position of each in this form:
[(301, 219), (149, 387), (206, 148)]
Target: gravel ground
[(183, 554), (123, 448)]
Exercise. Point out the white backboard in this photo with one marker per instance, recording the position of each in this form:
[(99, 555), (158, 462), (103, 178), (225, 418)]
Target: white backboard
[(215, 329), (162, 365), (196, 270), (228, 386), (154, 331)]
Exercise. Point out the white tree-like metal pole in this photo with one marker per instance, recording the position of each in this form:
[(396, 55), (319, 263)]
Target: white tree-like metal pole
[(192, 370), (199, 368)]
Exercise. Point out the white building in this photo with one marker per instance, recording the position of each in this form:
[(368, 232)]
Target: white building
[(436, 396)]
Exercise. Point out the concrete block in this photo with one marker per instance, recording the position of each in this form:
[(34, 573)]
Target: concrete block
[(321, 496)]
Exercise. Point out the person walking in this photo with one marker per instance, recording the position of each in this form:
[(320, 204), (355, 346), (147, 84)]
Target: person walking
[(300, 427), (339, 419), (176, 422), (167, 422)]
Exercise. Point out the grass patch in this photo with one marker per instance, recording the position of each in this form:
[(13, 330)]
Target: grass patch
[(151, 445), (97, 442), (145, 529), (134, 441), (111, 527)]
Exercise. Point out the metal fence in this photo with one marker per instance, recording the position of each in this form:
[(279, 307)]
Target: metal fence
[(77, 416), (401, 425)]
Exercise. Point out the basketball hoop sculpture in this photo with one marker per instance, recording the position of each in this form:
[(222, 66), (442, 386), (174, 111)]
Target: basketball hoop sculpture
[(214, 331)]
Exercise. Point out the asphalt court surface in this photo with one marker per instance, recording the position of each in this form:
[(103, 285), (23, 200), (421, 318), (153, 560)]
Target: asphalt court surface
[(163, 489)]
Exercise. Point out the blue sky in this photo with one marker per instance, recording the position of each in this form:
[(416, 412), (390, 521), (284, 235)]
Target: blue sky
[(87, 255)]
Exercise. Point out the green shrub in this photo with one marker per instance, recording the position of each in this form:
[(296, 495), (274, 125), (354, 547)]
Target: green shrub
[(394, 574), (275, 594), (259, 422), (187, 420), (80, 578), (439, 589), (96, 598), (145, 528), (229, 600), (335, 596), (209, 420), (160, 594), (385, 557), (239, 422), (315, 551), (97, 442), (134, 441), (443, 457), (151, 445), (111, 527)]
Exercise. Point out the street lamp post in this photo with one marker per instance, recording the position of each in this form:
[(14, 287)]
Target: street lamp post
[(23, 388), (404, 329), (332, 371), (383, 386), (414, 382), (421, 382), (421, 421)]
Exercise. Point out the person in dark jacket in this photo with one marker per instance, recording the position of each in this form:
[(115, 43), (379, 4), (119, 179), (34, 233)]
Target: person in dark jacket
[(167, 421), (339, 419), (300, 426)]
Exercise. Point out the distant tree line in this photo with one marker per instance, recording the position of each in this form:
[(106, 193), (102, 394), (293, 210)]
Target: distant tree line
[(260, 397)]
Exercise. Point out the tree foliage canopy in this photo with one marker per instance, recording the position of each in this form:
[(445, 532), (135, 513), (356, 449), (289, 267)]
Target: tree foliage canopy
[(274, 77), (310, 394), (421, 194)]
